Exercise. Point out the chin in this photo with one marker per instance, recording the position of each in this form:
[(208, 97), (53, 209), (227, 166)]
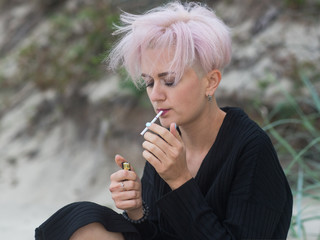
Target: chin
[(165, 124)]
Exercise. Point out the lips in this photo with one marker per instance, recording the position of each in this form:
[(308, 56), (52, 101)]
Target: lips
[(165, 111)]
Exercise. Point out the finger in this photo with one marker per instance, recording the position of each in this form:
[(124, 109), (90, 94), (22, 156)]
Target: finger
[(129, 204), (155, 162), (124, 186), (130, 185), (116, 187), (163, 133), (127, 195), (123, 175), (154, 148), (119, 160), (174, 131), (156, 140)]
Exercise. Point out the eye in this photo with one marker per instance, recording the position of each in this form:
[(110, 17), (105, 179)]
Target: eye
[(169, 81), (149, 83), (169, 84)]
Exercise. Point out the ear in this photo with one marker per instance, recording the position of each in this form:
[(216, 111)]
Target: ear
[(213, 80)]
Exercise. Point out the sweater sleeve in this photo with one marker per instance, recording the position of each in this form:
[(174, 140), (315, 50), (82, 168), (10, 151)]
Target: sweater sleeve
[(149, 230), (254, 204), (190, 215)]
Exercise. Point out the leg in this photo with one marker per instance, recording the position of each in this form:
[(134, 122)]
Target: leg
[(95, 231)]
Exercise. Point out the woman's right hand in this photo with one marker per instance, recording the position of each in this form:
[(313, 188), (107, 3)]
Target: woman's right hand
[(125, 188)]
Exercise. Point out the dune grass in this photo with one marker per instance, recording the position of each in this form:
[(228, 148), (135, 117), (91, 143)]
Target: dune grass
[(297, 140)]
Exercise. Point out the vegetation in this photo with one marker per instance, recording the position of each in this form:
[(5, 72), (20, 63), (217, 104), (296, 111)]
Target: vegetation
[(310, 6), (295, 3), (72, 54), (73, 51), (294, 125)]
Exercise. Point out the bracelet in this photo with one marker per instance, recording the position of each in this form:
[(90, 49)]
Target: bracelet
[(144, 217)]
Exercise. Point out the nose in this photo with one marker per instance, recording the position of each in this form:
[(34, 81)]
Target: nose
[(157, 92)]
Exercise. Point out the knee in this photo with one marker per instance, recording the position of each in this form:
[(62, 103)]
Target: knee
[(86, 232), (95, 231)]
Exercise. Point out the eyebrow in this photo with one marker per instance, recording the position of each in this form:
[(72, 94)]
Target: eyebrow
[(159, 75)]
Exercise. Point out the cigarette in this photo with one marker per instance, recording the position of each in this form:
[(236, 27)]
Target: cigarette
[(153, 120)]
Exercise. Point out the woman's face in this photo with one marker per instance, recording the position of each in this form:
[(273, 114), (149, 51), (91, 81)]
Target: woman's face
[(183, 102)]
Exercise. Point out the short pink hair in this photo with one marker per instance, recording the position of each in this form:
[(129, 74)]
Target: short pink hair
[(194, 31)]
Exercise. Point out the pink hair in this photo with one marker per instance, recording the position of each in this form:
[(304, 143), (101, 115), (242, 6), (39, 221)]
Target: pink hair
[(196, 34)]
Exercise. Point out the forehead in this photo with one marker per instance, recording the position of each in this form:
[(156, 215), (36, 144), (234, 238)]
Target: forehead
[(155, 60)]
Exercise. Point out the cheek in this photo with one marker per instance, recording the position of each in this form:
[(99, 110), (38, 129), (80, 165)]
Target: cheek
[(191, 94), (148, 92)]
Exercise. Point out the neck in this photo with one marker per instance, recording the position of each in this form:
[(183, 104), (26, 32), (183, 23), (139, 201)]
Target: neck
[(199, 135)]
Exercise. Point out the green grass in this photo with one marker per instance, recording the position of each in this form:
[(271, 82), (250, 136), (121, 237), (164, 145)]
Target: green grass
[(294, 125), (295, 3)]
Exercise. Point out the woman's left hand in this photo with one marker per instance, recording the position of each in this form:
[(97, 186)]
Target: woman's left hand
[(165, 151)]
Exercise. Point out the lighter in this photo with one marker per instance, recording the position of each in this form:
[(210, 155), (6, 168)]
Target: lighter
[(126, 166)]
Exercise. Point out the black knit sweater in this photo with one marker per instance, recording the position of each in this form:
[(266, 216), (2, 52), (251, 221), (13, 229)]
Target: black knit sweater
[(239, 192)]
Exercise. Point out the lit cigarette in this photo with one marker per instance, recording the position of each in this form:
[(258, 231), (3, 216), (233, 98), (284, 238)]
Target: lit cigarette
[(153, 120)]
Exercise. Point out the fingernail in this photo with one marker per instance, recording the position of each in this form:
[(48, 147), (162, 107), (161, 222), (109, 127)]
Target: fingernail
[(175, 126), (148, 124)]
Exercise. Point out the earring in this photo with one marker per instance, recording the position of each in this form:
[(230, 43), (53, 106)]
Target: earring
[(209, 98)]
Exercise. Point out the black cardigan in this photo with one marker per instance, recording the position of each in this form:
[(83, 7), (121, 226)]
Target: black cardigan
[(239, 192)]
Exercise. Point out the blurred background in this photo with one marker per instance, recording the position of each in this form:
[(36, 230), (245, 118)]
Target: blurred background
[(63, 116)]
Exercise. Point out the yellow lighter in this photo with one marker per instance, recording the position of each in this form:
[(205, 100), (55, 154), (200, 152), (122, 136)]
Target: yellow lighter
[(126, 166)]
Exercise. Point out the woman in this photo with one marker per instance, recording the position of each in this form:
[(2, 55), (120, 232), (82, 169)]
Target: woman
[(210, 173)]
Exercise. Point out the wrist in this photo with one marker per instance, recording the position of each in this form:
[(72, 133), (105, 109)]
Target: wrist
[(143, 212), (135, 214), (179, 182)]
